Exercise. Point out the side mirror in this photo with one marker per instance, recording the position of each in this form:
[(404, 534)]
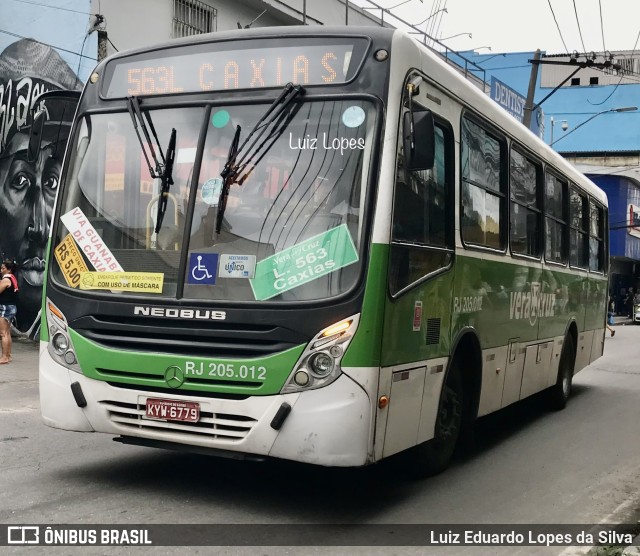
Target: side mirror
[(418, 135), (35, 136)]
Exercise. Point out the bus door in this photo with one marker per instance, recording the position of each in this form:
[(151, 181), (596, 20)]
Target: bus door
[(417, 321)]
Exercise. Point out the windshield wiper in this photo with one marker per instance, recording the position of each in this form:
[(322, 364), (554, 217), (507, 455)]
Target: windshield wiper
[(166, 180), (227, 177), (138, 123), (239, 157), (162, 167)]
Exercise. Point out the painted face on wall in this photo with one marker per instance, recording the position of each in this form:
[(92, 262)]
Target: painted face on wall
[(28, 191)]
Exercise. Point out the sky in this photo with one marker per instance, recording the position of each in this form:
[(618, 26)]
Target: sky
[(524, 25)]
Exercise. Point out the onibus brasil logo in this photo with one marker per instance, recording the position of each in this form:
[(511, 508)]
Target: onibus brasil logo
[(532, 304)]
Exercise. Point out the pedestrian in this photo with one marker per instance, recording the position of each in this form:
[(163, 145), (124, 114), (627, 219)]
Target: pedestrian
[(629, 302), (610, 313), (8, 298)]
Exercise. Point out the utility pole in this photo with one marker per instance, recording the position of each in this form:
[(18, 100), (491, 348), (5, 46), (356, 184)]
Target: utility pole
[(102, 44), (533, 79)]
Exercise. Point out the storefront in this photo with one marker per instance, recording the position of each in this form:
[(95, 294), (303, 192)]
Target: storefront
[(622, 186)]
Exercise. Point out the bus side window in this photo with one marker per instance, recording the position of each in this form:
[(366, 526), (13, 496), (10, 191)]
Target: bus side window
[(526, 205), (422, 217), (483, 189)]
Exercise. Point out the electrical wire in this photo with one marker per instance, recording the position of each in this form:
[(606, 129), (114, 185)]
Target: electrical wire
[(620, 80), (557, 25), (114, 46), (500, 68), (437, 11), (50, 6), (49, 45), (575, 9), (438, 19), (81, 51), (428, 22), (432, 20), (604, 48)]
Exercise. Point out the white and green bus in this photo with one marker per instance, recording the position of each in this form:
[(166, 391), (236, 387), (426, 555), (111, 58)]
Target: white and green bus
[(316, 244)]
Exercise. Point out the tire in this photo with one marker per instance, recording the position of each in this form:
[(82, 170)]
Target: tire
[(558, 395), (433, 457)]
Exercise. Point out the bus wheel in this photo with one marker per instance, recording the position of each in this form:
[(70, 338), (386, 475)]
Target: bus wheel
[(558, 394), (433, 456)]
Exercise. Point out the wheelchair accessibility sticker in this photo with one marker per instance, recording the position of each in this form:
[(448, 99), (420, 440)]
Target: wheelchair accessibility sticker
[(203, 268)]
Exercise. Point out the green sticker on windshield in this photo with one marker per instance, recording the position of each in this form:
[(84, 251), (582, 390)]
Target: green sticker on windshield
[(220, 118), (304, 262)]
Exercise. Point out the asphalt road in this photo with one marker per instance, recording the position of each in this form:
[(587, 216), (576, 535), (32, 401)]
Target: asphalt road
[(529, 466)]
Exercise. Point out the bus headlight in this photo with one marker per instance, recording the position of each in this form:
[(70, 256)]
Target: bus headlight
[(60, 343), (60, 347), (319, 364)]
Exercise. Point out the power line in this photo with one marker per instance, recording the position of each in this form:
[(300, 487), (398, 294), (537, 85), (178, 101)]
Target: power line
[(558, 26), (114, 46), (602, 67), (500, 68), (604, 48), (431, 26), (81, 51), (621, 77), (50, 6), (438, 20), (575, 9), (49, 45)]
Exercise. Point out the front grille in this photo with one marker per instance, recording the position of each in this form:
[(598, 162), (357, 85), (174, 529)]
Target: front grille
[(221, 426), (187, 338), (183, 391), (113, 374)]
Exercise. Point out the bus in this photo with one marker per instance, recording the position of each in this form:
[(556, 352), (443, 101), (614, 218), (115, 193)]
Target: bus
[(314, 244)]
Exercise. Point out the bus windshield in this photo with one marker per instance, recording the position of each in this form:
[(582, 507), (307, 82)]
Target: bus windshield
[(292, 225)]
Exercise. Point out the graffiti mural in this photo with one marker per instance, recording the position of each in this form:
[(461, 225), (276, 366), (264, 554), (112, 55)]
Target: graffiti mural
[(28, 183)]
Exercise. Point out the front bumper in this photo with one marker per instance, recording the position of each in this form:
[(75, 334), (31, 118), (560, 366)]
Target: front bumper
[(331, 426)]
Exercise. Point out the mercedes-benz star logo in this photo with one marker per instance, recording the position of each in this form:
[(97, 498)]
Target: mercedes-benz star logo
[(174, 377)]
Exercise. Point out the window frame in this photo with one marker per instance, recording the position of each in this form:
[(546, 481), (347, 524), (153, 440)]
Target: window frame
[(584, 232), (603, 238), (502, 194), (188, 16), (539, 209), (450, 172), (549, 170)]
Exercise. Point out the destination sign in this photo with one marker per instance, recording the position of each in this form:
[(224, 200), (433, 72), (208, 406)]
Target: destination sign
[(234, 65)]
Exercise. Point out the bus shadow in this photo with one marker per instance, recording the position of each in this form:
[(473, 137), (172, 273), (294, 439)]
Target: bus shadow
[(287, 491), (492, 430)]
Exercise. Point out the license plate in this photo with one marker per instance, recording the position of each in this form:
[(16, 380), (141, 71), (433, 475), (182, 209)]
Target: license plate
[(173, 410)]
